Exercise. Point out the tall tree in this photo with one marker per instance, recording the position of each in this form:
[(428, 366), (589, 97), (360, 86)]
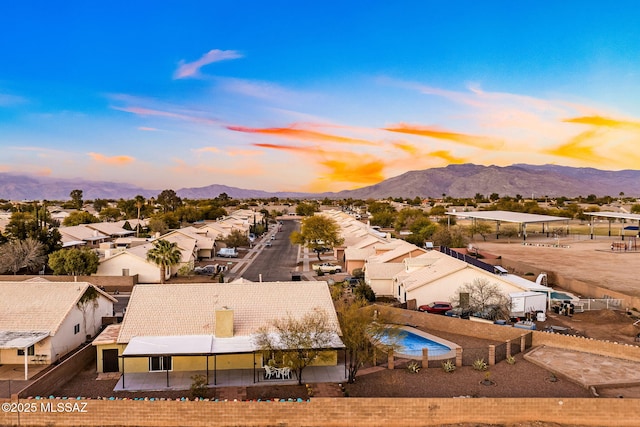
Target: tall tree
[(484, 296), (236, 239), (79, 217), (74, 262), (316, 232), (298, 341), (27, 254), (76, 198), (139, 205), (165, 255), (360, 333), (169, 201)]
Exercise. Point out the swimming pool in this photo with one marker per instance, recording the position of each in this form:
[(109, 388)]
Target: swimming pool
[(411, 341), (561, 296)]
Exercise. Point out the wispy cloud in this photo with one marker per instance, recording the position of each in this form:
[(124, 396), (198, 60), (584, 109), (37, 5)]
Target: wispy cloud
[(486, 143), (7, 100), (141, 111), (147, 129), (229, 152), (600, 121), (295, 133), (192, 69), (111, 160)]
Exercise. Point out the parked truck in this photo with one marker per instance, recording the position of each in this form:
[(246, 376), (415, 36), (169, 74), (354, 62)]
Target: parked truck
[(527, 302), (228, 253)]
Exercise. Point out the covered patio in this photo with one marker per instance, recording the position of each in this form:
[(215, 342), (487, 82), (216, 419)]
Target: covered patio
[(181, 380), (204, 350), (24, 342)]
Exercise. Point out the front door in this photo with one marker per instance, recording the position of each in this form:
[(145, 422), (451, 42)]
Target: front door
[(110, 360)]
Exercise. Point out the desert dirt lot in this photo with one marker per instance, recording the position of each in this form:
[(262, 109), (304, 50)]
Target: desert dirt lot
[(590, 261), (578, 257)]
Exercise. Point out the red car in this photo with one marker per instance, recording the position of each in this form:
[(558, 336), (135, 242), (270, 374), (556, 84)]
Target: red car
[(436, 307)]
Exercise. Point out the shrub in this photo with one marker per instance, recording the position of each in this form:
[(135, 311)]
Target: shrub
[(448, 366), (479, 365), (198, 386), (413, 367), (511, 360)]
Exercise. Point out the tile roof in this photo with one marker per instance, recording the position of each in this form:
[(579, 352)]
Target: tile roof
[(189, 309), (38, 305), (386, 270)]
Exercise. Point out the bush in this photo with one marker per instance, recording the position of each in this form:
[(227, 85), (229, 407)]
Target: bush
[(448, 366), (198, 386), (364, 291), (413, 367), (480, 365), (511, 360)]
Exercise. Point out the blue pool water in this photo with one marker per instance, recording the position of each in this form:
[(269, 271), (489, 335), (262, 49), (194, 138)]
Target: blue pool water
[(561, 296), (413, 344)]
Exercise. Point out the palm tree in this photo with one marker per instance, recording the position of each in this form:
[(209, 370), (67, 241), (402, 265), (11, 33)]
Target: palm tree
[(164, 254), (139, 204)]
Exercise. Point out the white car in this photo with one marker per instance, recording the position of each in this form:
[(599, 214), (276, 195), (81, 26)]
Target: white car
[(327, 267)]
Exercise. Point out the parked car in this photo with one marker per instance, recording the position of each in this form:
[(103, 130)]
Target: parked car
[(458, 312), (327, 267), (268, 244), (436, 307), (351, 282)]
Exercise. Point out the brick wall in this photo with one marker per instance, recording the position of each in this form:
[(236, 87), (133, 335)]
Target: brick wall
[(110, 283), (587, 345), (449, 324), (61, 373), (328, 412)]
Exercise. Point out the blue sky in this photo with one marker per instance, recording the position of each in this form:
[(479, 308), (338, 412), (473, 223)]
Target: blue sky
[(328, 96)]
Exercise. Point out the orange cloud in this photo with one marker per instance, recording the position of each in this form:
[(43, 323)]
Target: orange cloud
[(113, 160), (406, 147), (361, 171), (44, 172), (579, 148), (469, 140), (448, 157), (301, 134), (603, 122), (207, 150)]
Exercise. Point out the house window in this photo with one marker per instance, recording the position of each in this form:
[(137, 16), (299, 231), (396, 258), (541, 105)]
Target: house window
[(160, 363), (76, 329), (30, 351)]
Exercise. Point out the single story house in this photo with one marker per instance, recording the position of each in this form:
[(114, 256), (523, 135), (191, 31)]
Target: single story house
[(203, 326), (41, 321)]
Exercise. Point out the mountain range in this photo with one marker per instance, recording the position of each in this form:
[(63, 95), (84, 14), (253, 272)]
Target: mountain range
[(464, 180)]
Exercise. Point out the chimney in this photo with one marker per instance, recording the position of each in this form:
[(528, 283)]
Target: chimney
[(224, 323)]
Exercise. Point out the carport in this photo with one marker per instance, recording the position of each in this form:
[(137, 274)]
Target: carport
[(522, 219), (23, 341), (613, 215)]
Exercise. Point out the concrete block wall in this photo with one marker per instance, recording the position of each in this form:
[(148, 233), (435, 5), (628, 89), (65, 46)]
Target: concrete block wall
[(326, 412), (60, 374)]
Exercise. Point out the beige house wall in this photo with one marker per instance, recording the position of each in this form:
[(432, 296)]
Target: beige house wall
[(147, 272), (445, 288)]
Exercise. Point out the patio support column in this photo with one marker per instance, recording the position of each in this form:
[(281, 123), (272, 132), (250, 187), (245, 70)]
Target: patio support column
[(207, 356), (26, 364), (167, 371), (215, 369), (254, 367), (123, 360)]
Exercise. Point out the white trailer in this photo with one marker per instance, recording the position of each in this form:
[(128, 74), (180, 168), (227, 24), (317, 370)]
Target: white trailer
[(527, 302)]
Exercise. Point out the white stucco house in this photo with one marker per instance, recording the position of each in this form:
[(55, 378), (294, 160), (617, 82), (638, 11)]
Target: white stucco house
[(41, 321)]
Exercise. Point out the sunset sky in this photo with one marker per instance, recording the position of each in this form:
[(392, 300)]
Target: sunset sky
[(314, 96)]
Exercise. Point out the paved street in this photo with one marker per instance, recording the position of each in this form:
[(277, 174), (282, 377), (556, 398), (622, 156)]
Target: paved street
[(274, 263)]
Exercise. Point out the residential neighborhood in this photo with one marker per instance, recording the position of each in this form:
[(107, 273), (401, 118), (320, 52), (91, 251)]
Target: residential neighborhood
[(150, 324)]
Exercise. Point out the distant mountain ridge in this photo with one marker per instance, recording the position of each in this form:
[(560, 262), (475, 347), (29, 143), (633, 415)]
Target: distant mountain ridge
[(464, 180)]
